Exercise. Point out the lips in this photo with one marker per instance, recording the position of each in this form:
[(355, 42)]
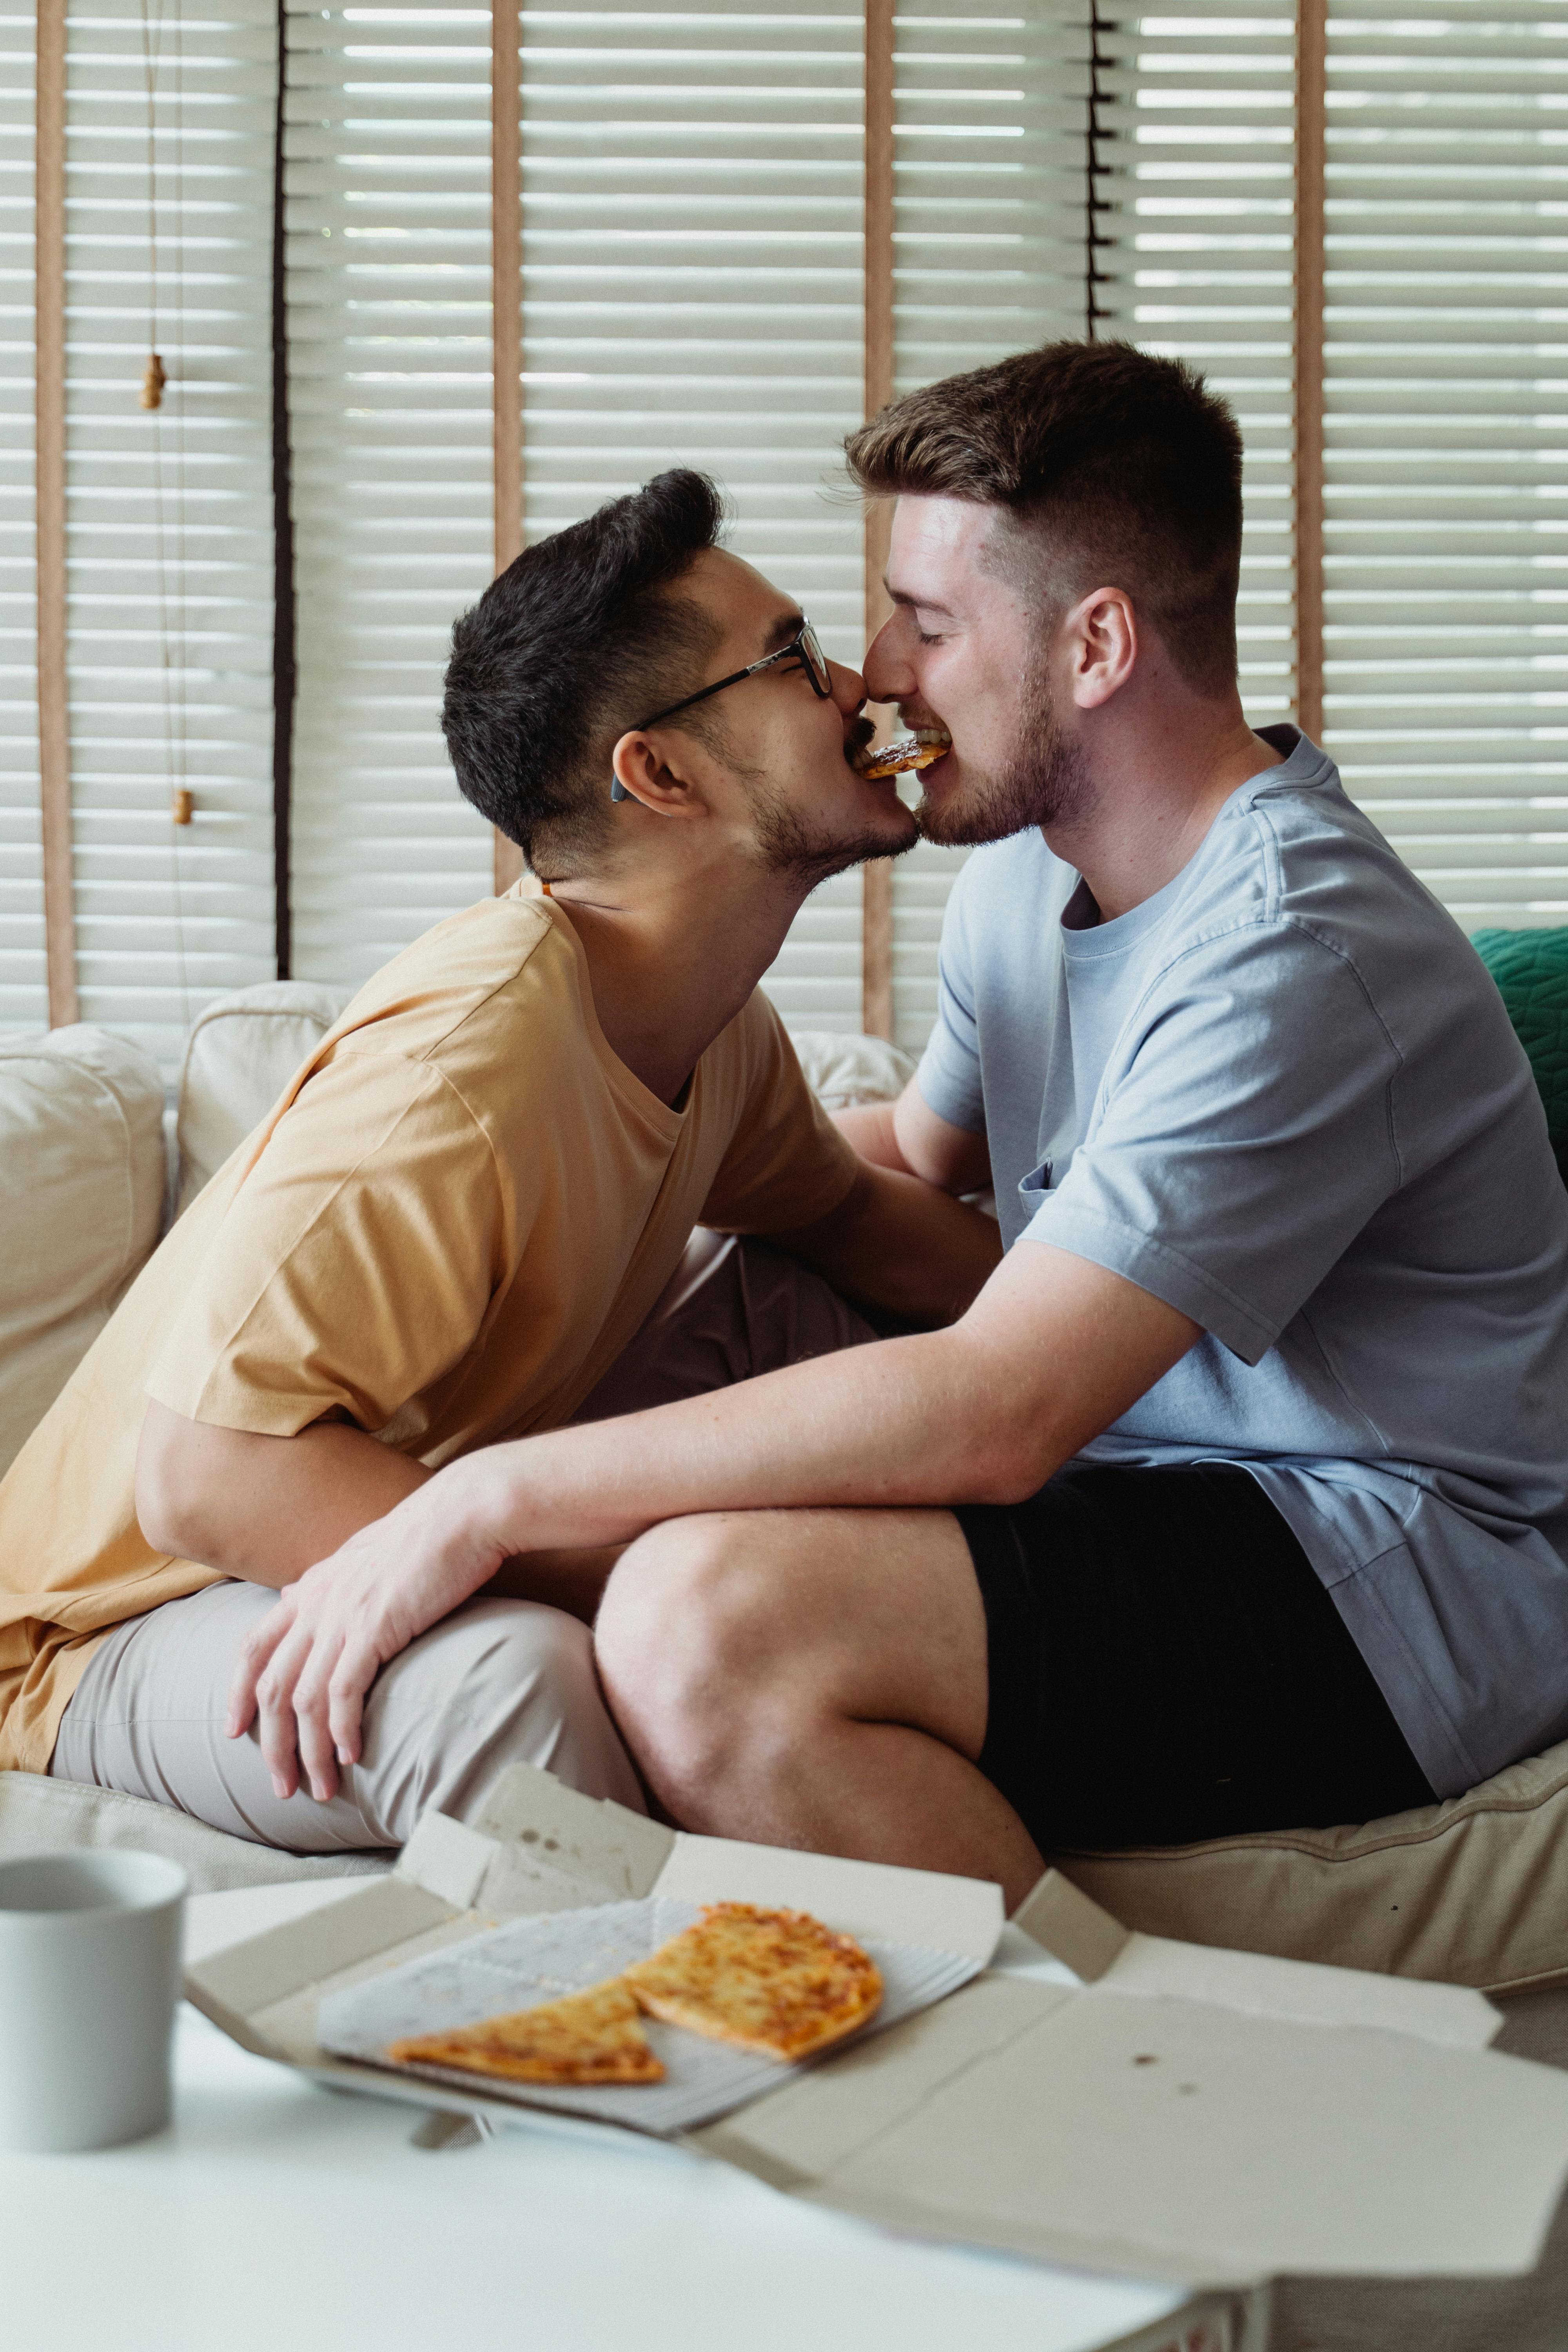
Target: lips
[(917, 749)]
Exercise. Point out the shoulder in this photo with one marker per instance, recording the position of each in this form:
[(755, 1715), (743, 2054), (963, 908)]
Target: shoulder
[(1297, 899), (499, 982)]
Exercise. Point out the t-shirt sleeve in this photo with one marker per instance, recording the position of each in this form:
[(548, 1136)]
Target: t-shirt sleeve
[(356, 1265), (949, 1073), (787, 1164), (1243, 1135)]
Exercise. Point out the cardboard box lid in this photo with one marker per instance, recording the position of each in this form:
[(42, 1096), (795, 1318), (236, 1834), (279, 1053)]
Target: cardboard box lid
[(1176, 2112)]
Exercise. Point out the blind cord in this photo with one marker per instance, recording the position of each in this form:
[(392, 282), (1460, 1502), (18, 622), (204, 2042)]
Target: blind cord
[(172, 646)]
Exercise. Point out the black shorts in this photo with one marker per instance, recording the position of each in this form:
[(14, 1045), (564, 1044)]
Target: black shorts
[(1165, 1665)]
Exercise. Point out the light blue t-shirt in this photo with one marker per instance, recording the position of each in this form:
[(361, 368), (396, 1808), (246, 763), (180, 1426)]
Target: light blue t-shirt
[(1284, 1096)]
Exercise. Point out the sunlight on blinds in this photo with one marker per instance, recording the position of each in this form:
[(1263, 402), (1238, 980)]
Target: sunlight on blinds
[(388, 277), (1446, 536), (23, 1000), (990, 221), (168, 245)]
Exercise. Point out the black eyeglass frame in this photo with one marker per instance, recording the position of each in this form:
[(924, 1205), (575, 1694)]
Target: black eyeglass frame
[(804, 647)]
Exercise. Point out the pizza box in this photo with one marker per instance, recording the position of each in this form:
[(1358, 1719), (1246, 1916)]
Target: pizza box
[(1093, 2096)]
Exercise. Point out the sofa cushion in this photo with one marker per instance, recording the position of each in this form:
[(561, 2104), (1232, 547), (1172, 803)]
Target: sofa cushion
[(1531, 969), (842, 1070), (240, 1055), (43, 1816), (81, 1197), (1473, 1891)]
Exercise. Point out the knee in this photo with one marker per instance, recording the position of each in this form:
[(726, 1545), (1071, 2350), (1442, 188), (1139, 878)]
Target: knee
[(502, 1682), (687, 1631), (498, 1679)]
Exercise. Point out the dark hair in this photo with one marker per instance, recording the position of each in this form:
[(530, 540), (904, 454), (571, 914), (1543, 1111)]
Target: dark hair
[(573, 645), (1113, 462)]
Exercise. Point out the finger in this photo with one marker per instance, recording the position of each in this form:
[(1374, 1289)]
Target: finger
[(254, 1654), (312, 1730), (358, 1664), (275, 1694)]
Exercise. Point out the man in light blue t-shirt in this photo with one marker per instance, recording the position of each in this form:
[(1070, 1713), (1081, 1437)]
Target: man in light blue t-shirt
[(1238, 1499)]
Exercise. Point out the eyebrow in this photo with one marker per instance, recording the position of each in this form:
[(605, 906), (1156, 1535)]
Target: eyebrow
[(787, 625), (926, 604)]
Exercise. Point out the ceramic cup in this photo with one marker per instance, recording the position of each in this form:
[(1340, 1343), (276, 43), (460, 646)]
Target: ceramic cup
[(90, 1977)]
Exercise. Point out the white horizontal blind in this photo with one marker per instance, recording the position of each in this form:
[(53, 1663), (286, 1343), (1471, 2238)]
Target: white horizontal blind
[(1446, 537), (990, 222), (169, 528), (692, 214), (1194, 155), (23, 1000), (388, 277)]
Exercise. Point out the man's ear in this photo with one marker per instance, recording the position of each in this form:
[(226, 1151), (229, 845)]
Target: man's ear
[(1103, 646), (643, 772)]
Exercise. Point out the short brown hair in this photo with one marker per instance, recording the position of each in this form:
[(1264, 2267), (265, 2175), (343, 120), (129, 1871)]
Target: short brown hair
[(1125, 466), (579, 637)]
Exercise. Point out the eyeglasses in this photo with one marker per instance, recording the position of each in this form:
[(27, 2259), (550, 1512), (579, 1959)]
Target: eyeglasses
[(804, 648)]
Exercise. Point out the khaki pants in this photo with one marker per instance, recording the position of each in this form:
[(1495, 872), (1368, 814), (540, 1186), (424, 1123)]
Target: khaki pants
[(497, 1683)]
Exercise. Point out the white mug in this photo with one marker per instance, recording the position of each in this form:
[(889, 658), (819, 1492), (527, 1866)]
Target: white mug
[(89, 1979)]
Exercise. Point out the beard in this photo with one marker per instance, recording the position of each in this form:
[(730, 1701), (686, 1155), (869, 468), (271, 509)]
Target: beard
[(788, 845), (1046, 781)]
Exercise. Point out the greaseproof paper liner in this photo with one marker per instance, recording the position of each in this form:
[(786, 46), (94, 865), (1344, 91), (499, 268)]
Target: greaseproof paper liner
[(537, 1960)]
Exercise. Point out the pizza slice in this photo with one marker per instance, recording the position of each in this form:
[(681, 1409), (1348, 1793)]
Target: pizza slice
[(777, 1982), (585, 2037)]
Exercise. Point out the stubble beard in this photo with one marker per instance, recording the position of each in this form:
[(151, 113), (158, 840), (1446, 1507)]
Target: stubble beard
[(1045, 781), (787, 845)]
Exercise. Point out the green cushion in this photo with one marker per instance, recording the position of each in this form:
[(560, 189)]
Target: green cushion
[(1531, 969)]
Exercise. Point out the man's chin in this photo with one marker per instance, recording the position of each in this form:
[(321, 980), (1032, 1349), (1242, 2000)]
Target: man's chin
[(956, 819)]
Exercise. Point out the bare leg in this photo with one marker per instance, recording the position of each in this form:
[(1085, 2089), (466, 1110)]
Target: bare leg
[(814, 1679)]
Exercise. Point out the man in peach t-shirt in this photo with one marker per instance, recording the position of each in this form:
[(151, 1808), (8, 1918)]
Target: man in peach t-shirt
[(468, 1216)]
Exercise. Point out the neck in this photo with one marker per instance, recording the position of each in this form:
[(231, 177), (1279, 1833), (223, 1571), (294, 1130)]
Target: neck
[(1158, 775), (673, 957)]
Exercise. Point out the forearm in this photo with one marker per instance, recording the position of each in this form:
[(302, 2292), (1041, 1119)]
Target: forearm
[(262, 1508), (899, 1242), (1055, 1350), (905, 1421), (869, 1128)]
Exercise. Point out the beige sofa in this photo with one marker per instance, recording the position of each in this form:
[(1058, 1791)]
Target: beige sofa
[(1475, 1890)]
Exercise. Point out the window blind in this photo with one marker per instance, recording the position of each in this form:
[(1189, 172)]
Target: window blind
[(1446, 527), (692, 213), (23, 1000), (1194, 156), (990, 222), (387, 265), (692, 285), (169, 522)]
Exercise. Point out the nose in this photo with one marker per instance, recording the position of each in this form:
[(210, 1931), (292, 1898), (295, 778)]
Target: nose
[(849, 687), (888, 674)]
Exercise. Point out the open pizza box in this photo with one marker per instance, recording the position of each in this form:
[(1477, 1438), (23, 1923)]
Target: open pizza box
[(1089, 2095)]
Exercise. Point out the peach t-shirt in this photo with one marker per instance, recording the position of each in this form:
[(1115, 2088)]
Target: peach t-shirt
[(459, 1213)]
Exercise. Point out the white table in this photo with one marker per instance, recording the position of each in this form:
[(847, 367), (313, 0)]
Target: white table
[(280, 2217)]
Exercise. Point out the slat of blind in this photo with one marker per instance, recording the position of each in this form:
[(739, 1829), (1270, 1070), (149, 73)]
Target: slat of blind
[(169, 670), (990, 227), (692, 288), (1446, 527), (24, 995), (388, 287), (1193, 257)]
